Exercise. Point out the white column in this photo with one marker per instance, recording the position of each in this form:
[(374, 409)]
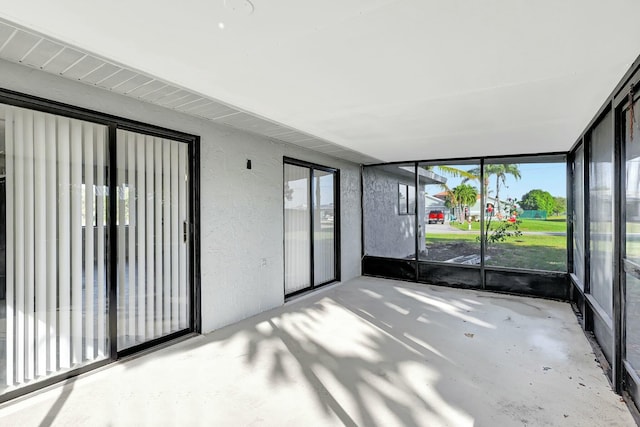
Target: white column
[(76, 241), (89, 260), (40, 134)]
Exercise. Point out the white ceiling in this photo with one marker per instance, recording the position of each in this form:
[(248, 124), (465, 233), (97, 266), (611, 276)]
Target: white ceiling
[(395, 80)]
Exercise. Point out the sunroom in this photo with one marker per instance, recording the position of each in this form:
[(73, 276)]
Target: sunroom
[(168, 172)]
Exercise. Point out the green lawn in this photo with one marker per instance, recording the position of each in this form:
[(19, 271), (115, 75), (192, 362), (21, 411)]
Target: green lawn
[(537, 252), (551, 225)]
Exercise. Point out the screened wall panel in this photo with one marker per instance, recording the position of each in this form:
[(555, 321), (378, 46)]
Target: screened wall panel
[(578, 216), (54, 239), (632, 237), (632, 186), (602, 214), (525, 216), (390, 223), (153, 286), (452, 209)]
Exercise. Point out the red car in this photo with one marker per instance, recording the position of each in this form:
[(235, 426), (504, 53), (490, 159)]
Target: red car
[(436, 217)]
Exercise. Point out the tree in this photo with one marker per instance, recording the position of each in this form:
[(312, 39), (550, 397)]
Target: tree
[(451, 200), (451, 171), (500, 171), (539, 200), (560, 205), (461, 196)]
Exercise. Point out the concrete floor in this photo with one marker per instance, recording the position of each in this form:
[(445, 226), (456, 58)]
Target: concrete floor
[(370, 352)]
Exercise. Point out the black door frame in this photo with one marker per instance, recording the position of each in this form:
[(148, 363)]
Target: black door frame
[(336, 222), (113, 123)]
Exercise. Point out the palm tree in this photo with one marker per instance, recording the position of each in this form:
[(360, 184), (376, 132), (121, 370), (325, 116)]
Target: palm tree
[(450, 171), (500, 171), (454, 173), (462, 195)]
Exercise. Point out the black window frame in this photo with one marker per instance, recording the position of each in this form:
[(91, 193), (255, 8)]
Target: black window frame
[(410, 199)]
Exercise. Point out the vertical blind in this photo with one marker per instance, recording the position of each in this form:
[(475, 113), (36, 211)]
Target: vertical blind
[(55, 244), (323, 224), (309, 201), (297, 228), (153, 294), (56, 241)]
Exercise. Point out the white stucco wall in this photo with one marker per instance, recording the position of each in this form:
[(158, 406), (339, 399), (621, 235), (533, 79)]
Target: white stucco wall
[(387, 233), (241, 210)]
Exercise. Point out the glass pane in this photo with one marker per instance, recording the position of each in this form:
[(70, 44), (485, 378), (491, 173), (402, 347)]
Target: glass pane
[(525, 214), (578, 215), (52, 239), (601, 213), (633, 187), (388, 231), (297, 228), (153, 285), (451, 212), (632, 309), (403, 199), (323, 223), (632, 296)]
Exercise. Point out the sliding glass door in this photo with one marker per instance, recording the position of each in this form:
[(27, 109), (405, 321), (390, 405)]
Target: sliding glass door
[(79, 285), (310, 226), (324, 231), (54, 193), (153, 212), (297, 228)]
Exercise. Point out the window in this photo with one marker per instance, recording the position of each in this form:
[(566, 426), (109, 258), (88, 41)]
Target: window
[(406, 199), (403, 199)]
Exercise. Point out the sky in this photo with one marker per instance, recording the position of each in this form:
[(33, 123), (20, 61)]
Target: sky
[(549, 177), (299, 191)]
